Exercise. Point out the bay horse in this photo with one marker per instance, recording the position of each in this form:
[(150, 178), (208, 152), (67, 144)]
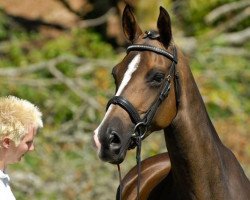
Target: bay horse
[(155, 90)]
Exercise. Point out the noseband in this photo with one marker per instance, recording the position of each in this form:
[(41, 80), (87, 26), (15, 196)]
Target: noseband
[(142, 124)]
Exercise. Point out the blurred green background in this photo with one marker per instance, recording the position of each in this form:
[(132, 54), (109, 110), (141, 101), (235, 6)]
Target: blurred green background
[(59, 55)]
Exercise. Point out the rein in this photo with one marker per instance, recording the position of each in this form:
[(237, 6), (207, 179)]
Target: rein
[(142, 124)]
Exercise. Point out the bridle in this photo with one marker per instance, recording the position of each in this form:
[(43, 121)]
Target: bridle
[(142, 124)]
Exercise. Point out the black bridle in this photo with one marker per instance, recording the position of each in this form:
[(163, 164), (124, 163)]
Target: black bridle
[(142, 124)]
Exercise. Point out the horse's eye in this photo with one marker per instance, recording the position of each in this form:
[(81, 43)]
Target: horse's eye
[(158, 78), (155, 79)]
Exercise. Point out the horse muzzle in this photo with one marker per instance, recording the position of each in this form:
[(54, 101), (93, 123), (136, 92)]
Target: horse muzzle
[(111, 146)]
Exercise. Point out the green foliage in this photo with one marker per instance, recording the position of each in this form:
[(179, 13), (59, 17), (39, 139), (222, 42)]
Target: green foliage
[(3, 25), (81, 43), (224, 82), (57, 143), (193, 15)]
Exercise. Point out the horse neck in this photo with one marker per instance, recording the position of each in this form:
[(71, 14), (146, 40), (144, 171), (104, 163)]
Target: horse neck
[(191, 139)]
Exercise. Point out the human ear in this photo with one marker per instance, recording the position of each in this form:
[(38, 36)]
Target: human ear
[(6, 142)]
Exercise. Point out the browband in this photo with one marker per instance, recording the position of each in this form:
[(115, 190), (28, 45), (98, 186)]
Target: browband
[(135, 47)]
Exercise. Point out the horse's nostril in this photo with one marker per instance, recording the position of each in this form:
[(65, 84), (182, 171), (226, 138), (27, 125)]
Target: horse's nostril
[(114, 138), (114, 142)]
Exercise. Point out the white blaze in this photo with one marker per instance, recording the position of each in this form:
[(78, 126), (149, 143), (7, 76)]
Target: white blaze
[(127, 76)]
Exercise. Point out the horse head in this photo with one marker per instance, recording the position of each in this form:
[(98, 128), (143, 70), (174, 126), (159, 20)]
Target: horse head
[(146, 93)]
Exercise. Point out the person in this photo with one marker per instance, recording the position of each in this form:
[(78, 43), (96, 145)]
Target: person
[(19, 122)]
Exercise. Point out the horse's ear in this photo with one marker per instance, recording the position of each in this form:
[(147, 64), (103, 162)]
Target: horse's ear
[(130, 27), (164, 27)]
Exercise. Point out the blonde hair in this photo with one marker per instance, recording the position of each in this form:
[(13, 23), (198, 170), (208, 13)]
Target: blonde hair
[(16, 117)]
